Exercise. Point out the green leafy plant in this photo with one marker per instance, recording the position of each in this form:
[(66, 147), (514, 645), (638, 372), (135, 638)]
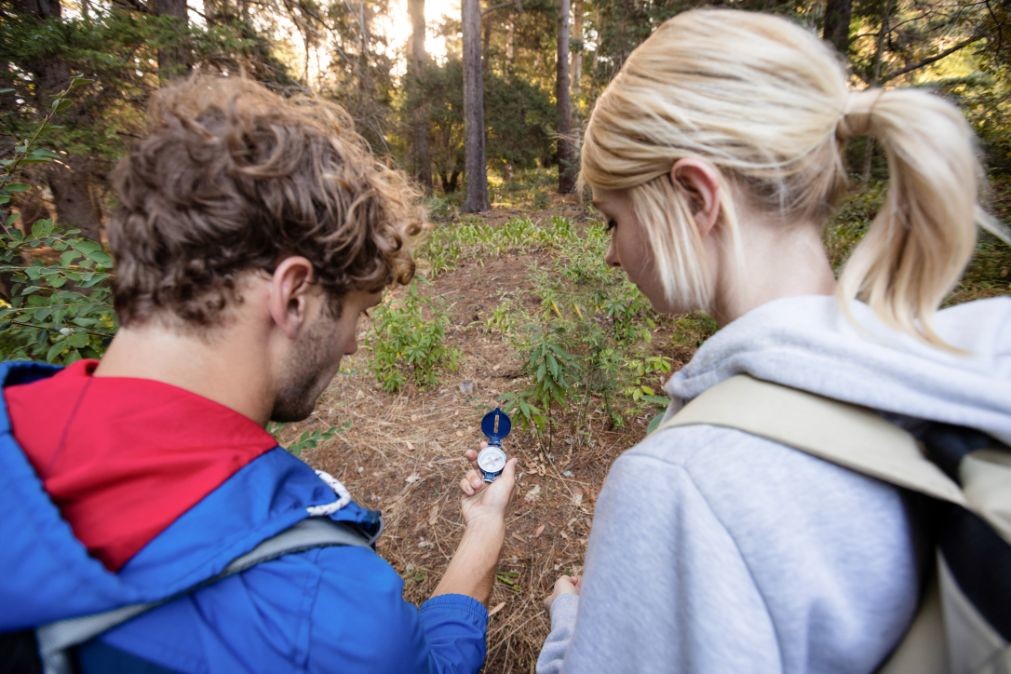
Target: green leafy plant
[(590, 347), (56, 304), (60, 306), (474, 238), (308, 439), (503, 318), (408, 343)]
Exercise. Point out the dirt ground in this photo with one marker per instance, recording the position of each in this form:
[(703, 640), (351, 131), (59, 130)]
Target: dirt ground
[(403, 454)]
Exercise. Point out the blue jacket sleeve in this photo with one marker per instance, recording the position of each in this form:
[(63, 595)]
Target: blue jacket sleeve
[(359, 621)]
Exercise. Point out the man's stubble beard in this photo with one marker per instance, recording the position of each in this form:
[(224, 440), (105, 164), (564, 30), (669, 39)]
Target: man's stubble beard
[(307, 374)]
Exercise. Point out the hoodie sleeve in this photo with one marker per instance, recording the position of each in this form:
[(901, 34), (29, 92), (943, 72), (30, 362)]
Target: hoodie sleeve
[(665, 588), (360, 622)]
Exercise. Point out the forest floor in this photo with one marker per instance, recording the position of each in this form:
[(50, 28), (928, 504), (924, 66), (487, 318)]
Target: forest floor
[(402, 453)]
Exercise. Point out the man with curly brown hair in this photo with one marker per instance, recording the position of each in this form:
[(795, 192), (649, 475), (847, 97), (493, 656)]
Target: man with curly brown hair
[(253, 232)]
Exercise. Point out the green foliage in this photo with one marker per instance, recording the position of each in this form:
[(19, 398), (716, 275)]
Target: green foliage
[(474, 238), (56, 302), (850, 222), (552, 370), (514, 109), (59, 307), (690, 330), (590, 343), (527, 188), (408, 343), (118, 51), (503, 318), (309, 439)]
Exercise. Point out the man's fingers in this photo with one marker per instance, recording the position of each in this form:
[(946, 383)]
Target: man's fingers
[(466, 488), (475, 480)]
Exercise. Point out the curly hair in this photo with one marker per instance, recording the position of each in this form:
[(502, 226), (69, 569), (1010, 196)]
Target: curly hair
[(231, 178)]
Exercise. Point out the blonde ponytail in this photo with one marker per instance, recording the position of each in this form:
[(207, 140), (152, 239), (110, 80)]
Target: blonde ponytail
[(923, 236), (767, 103)]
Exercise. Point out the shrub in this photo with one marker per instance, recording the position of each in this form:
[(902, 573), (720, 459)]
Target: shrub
[(408, 343), (56, 304)]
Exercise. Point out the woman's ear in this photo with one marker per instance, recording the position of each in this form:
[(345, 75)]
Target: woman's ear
[(290, 292), (699, 181)]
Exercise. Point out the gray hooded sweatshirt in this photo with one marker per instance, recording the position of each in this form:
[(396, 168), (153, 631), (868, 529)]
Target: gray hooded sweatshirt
[(715, 551)]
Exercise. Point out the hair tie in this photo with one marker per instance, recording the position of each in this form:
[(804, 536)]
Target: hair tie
[(856, 118)]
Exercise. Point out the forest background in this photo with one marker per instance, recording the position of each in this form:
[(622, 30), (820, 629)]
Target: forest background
[(482, 104)]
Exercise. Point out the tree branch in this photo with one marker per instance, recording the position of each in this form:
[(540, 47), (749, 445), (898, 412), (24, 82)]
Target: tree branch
[(931, 59), (502, 5)]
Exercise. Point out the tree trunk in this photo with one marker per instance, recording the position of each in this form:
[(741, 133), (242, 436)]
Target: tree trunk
[(420, 158), (511, 44), (473, 110), (566, 146), (365, 77), (485, 47), (576, 69), (173, 61), (76, 205), (879, 53), (70, 181), (836, 29)]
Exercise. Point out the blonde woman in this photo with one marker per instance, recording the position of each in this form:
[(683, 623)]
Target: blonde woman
[(716, 155)]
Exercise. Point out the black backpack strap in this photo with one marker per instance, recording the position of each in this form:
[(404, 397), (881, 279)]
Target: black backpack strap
[(56, 639)]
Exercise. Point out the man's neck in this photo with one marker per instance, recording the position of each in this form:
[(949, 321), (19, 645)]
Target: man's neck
[(229, 369)]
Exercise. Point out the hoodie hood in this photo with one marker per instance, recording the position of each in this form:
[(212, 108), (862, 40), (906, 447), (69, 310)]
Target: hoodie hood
[(122, 458), (809, 344), (49, 573)]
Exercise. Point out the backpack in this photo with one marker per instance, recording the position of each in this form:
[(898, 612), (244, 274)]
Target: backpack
[(48, 649), (963, 624)]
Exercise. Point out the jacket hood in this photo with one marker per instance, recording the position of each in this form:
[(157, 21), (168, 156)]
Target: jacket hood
[(48, 574), (809, 344)]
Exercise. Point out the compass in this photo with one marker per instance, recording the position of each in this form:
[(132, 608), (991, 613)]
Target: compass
[(492, 459)]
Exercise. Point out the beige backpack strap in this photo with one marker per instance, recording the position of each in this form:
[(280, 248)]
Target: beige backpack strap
[(955, 638), (847, 435)]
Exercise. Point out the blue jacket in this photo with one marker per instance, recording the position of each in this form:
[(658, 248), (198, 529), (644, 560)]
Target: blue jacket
[(326, 609)]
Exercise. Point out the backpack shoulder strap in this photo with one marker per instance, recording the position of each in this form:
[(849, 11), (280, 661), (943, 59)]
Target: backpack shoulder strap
[(952, 631), (57, 638), (850, 436)]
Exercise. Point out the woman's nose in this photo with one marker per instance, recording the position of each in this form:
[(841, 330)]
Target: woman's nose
[(612, 257)]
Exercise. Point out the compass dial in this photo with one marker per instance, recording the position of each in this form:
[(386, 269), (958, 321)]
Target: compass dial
[(491, 459)]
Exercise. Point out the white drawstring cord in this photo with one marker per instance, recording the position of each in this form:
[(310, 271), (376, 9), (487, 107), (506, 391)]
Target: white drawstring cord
[(341, 491)]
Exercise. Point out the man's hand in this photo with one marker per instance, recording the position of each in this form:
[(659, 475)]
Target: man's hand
[(482, 501), (564, 585), (472, 569)]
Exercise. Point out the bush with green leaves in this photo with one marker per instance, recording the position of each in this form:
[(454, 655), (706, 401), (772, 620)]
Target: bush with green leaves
[(590, 345), (472, 238), (55, 299), (308, 439), (60, 306), (408, 342)]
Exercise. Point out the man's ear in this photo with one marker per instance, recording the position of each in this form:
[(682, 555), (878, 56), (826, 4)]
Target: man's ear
[(290, 293), (699, 181)]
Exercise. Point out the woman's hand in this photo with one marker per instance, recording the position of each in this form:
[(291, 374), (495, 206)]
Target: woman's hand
[(481, 501), (564, 585)]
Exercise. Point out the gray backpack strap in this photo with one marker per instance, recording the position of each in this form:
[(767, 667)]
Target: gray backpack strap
[(57, 638)]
